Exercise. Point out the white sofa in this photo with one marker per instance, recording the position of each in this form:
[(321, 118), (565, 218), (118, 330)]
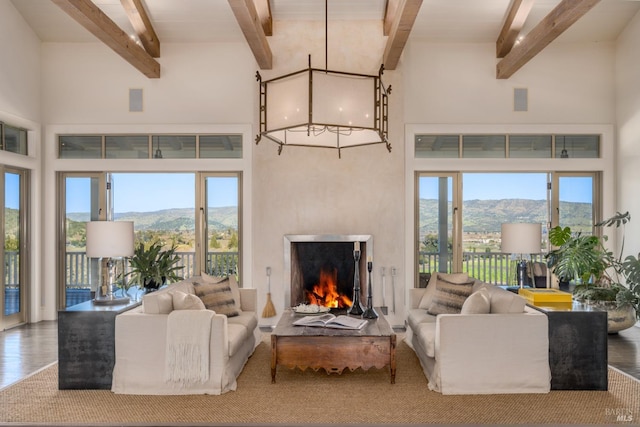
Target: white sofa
[(141, 345), (501, 347)]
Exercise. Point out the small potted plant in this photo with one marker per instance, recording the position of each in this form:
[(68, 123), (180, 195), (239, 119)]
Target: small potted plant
[(152, 266)]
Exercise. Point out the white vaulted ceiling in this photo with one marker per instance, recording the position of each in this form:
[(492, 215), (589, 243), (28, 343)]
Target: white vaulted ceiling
[(520, 28), (193, 21)]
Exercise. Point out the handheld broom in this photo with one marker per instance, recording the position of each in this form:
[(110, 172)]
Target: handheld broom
[(269, 310)]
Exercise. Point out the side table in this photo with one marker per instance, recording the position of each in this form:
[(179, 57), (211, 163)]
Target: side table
[(577, 347), (86, 345)]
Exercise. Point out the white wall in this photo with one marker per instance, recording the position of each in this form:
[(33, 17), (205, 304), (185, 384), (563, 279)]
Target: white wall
[(312, 191), (628, 127), (456, 83), (20, 106), (20, 70)]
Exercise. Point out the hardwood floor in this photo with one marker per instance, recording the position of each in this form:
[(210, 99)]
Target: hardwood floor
[(29, 348), (624, 351)]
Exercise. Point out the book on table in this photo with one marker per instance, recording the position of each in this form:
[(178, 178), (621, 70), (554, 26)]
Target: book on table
[(331, 321)]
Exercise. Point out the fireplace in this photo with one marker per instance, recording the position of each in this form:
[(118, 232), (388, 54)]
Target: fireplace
[(319, 269)]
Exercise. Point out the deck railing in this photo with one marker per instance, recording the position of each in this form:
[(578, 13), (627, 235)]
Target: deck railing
[(489, 267), (218, 264)]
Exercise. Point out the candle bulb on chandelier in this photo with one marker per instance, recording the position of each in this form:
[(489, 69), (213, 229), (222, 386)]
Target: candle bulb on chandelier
[(356, 246)]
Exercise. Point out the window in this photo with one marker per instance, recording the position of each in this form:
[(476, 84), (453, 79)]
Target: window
[(530, 146), (144, 146), (80, 146), (459, 217), (511, 146), (438, 146), (13, 139), (483, 146), (199, 213), (578, 146), (127, 146)]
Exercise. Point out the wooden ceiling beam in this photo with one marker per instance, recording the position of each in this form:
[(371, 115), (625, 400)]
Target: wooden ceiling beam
[(555, 23), (389, 16), (263, 7), (405, 16), (251, 26), (514, 23), (93, 19), (142, 25)]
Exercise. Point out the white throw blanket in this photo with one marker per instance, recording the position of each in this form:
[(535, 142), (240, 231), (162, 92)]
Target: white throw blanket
[(187, 359)]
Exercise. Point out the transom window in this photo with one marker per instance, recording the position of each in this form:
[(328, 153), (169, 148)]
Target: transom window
[(507, 146), (13, 139), (143, 146)]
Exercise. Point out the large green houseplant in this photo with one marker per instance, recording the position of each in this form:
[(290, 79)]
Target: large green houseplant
[(600, 276), (152, 266)]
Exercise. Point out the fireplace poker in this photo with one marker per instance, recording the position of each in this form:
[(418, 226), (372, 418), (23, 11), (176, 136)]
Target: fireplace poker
[(384, 307), (393, 289)]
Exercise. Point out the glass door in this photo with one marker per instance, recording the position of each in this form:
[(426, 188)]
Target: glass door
[(83, 200), (220, 224), (574, 201), (14, 266), (491, 199), (438, 218)]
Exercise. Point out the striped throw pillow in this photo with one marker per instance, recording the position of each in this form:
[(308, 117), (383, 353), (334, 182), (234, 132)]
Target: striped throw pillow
[(217, 297), (449, 296)]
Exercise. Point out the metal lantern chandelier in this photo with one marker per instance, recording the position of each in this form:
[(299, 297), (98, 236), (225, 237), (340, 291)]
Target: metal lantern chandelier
[(324, 108)]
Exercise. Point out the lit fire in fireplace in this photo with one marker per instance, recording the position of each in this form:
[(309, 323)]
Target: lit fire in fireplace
[(325, 292)]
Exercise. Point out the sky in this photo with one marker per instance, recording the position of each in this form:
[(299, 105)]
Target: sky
[(495, 186), (145, 192), (12, 190)]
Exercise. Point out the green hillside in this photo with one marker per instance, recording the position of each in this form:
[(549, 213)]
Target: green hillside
[(487, 216), (219, 219)]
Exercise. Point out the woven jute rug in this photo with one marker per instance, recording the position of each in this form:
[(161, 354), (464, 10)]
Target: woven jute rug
[(315, 398)]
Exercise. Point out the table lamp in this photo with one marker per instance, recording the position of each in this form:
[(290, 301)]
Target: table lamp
[(112, 240), (520, 239)]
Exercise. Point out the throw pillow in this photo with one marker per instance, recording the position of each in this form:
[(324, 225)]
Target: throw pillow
[(217, 297), (449, 296), (427, 297), (507, 302), (233, 284), (184, 301), (157, 303), (478, 302)]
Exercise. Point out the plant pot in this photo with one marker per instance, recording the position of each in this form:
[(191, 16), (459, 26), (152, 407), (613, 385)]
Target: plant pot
[(151, 285), (618, 318), (567, 286)]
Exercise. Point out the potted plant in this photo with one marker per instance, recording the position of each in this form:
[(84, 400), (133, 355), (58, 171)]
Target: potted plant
[(597, 273), (152, 266)]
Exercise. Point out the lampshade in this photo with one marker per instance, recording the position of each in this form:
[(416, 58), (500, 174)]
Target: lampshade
[(521, 238), (324, 108), (109, 239)]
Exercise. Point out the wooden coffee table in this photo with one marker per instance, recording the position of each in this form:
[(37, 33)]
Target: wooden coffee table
[(333, 349)]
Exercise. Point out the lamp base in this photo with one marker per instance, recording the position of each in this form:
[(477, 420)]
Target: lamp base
[(111, 300), (522, 273)]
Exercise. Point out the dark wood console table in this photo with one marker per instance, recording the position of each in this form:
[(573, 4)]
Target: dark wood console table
[(86, 345), (577, 347)]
